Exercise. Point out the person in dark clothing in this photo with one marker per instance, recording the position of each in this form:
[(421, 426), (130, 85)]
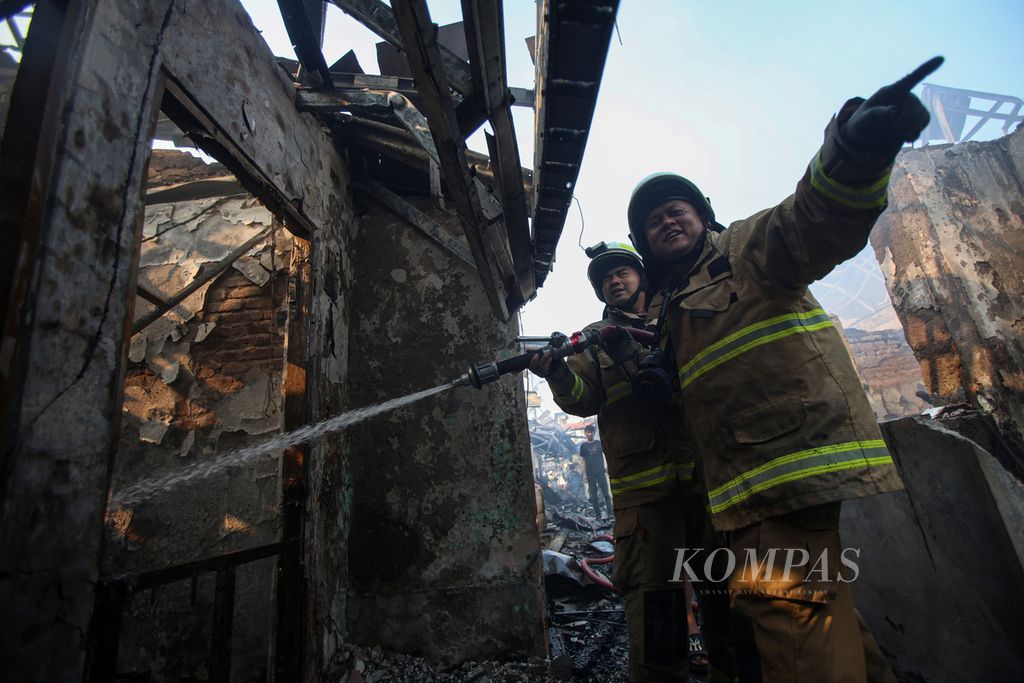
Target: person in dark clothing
[(592, 456)]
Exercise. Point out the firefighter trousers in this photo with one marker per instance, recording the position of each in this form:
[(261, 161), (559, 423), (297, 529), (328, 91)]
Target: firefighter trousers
[(805, 625), (646, 539)]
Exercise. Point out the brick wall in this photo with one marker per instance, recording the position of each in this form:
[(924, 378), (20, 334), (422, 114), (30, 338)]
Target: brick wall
[(249, 326)]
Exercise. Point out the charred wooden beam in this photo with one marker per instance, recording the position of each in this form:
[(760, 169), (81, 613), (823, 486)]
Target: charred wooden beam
[(397, 144), (152, 297), (419, 35), (196, 189), (485, 36), (346, 82), (223, 626), (8, 8), (304, 32), (418, 219), (190, 117), (154, 578), (218, 268), (379, 18), (291, 583), (376, 101)]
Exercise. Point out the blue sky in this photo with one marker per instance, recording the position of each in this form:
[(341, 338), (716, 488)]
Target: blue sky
[(734, 95)]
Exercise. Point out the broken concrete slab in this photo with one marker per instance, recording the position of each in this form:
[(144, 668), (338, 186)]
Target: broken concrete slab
[(941, 583)]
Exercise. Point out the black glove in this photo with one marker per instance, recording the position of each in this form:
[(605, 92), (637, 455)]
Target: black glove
[(891, 116), (620, 344), (545, 366)]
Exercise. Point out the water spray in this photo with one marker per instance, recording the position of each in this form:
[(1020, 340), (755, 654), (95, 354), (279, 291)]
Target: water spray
[(559, 344)]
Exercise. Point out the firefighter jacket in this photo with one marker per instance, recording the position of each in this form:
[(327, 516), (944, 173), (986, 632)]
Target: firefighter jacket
[(774, 406), (645, 448)]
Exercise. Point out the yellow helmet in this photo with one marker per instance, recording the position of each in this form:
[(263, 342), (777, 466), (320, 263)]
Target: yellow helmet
[(607, 255)]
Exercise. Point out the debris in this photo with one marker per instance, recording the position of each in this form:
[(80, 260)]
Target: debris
[(204, 330), (559, 564), (252, 269), (571, 520), (587, 633), (381, 666)]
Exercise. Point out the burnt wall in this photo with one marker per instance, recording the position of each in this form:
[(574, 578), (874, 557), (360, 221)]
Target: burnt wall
[(64, 347), (951, 246), (442, 545)]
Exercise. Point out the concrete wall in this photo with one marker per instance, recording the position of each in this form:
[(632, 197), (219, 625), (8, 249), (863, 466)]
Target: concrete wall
[(442, 544), (941, 580), (951, 246)]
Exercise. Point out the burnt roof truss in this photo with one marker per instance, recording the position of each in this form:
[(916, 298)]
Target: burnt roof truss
[(448, 99), (303, 20)]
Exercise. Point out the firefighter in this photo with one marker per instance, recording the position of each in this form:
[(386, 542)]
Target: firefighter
[(650, 468), (782, 429)]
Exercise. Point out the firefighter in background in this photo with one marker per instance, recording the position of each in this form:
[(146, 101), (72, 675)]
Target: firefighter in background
[(592, 456), (650, 468), (782, 428)]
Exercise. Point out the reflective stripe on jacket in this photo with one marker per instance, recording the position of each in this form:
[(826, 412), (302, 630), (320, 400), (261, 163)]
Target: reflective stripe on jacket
[(645, 445), (776, 410)]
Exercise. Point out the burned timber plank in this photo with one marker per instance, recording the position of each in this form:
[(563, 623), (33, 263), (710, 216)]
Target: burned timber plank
[(566, 94), (485, 36), (420, 220), (379, 18), (305, 37)]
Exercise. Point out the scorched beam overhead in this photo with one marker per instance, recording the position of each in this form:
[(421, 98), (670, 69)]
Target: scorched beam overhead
[(566, 94), (485, 37), (304, 33)]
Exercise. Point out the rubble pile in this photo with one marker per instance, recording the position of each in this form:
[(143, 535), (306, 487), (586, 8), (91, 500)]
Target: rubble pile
[(373, 665), (586, 623)]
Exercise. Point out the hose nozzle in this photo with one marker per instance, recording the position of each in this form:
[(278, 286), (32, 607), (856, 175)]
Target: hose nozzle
[(479, 375)]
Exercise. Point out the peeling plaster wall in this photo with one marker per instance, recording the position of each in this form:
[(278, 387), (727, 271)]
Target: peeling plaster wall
[(203, 380), (951, 246), (442, 546)]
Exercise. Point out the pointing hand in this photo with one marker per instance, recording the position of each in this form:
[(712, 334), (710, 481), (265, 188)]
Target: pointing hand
[(891, 116)]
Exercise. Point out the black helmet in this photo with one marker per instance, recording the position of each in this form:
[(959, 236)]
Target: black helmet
[(655, 190)]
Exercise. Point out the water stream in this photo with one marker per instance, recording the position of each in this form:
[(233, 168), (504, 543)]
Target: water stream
[(146, 488)]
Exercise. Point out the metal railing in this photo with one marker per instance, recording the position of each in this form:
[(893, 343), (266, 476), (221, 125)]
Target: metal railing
[(113, 593), (950, 108)]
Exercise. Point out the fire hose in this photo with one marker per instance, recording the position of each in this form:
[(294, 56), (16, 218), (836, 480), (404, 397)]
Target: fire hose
[(560, 346), (595, 576)]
